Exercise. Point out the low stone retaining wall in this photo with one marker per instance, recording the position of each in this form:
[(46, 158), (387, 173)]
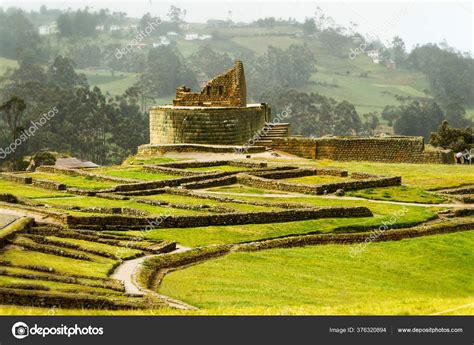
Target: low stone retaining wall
[(221, 181), (354, 238), (191, 193), (204, 164), (200, 207), (260, 182), (17, 178), (49, 184), (31, 208), (155, 150), (378, 149), (78, 172), (150, 268), (290, 173), (22, 242), (10, 231), (167, 183), (111, 285), (460, 190), (240, 218), (64, 300)]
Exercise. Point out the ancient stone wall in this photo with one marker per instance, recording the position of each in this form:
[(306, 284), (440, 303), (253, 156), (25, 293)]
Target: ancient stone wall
[(206, 125), (227, 89), (117, 222), (323, 188), (383, 149)]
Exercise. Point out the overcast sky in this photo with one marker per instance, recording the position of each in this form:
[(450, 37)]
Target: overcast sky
[(416, 22)]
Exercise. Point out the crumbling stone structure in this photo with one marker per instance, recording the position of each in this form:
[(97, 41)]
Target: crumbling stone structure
[(218, 115), (225, 90)]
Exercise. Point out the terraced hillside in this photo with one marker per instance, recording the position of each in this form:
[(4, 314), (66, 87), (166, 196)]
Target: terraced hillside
[(168, 236)]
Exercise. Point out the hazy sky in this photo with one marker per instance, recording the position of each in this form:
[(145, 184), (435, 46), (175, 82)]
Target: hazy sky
[(414, 21)]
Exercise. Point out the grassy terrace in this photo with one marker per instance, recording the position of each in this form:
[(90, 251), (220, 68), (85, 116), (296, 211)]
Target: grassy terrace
[(29, 192), (123, 253), (317, 179), (100, 267), (238, 188), (188, 200), (398, 193), (55, 286), (219, 168), (133, 172), (389, 278), (404, 216), (137, 160), (87, 201), (82, 182), (425, 176)]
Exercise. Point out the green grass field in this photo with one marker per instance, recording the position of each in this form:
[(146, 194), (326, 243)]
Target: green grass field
[(29, 192), (425, 176), (89, 201), (133, 172), (58, 263), (187, 200), (192, 237), (416, 276), (316, 179), (399, 193), (218, 168), (83, 182)]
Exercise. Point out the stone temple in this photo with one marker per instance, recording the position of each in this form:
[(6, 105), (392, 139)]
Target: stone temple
[(217, 115)]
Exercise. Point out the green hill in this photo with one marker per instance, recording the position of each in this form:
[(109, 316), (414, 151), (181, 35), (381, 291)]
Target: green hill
[(367, 85)]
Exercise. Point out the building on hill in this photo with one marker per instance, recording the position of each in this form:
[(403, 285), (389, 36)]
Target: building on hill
[(390, 64), (217, 115), (374, 55), (191, 37), (48, 29)]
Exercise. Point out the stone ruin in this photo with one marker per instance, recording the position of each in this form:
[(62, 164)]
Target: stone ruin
[(225, 90), (217, 115)]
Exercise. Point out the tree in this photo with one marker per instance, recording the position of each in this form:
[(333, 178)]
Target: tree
[(309, 26), (13, 111), (398, 50), (176, 15), (164, 72), (17, 33), (291, 67), (418, 118), (65, 25), (450, 74), (210, 62), (455, 114), (456, 139), (313, 114)]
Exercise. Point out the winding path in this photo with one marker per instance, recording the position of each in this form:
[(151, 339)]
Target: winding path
[(126, 272)]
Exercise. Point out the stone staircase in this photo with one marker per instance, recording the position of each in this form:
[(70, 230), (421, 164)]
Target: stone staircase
[(272, 131)]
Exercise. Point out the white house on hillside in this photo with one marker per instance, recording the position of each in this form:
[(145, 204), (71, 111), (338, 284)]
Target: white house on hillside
[(164, 41), (205, 37), (191, 37), (374, 55), (48, 29)]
